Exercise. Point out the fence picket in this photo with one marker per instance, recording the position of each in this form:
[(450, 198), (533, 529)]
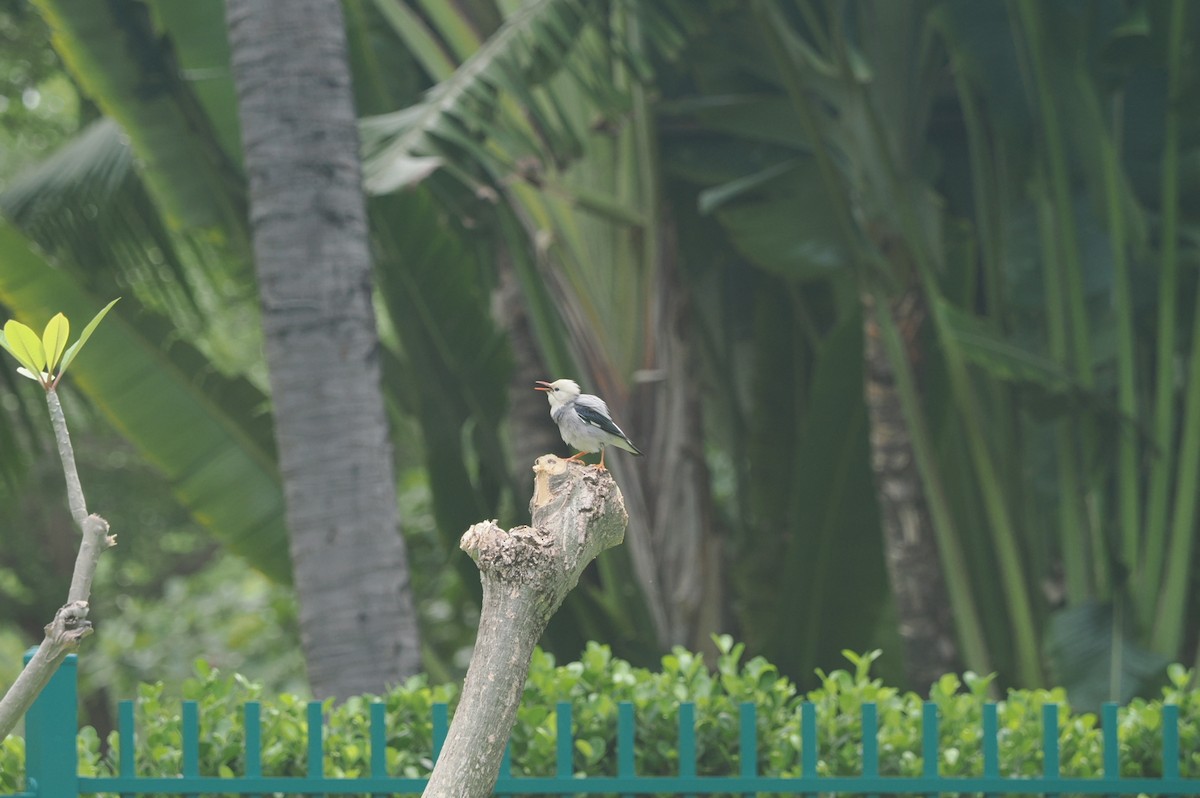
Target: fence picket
[(929, 742), (870, 741), (687, 740), (564, 741), (441, 727), (505, 774), (991, 744), (126, 741), (316, 741), (1050, 763), (1112, 751), (748, 742), (252, 727), (50, 729), (625, 742), (378, 737), (191, 742), (809, 747), (1170, 732)]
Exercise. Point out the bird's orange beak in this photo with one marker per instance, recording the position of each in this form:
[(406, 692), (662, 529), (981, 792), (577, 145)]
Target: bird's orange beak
[(542, 385)]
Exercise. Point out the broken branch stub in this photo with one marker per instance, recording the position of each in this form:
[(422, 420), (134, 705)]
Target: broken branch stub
[(577, 512)]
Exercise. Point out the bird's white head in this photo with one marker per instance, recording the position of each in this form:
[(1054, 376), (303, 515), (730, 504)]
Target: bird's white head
[(559, 392)]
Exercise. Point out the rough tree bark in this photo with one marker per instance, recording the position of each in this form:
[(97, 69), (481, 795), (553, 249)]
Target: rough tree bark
[(914, 568), (309, 224), (526, 572)]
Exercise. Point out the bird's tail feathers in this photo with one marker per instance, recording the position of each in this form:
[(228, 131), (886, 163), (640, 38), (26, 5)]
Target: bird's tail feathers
[(628, 446)]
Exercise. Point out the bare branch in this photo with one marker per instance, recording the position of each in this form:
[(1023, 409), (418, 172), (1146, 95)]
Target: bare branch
[(94, 541), (66, 453), (70, 624)]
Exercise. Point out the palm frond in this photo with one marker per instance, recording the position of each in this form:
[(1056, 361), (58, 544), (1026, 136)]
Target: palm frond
[(88, 208), (114, 53), (495, 110), (459, 113)]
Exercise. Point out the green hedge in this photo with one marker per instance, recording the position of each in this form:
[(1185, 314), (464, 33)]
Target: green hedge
[(598, 682)]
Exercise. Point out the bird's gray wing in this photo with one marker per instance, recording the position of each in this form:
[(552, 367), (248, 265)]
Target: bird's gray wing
[(597, 417)]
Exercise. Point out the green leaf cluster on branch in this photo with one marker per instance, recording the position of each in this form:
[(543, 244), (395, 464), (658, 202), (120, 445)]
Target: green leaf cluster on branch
[(45, 358), (598, 682)]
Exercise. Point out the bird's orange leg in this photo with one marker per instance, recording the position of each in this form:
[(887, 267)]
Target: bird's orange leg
[(602, 468), (577, 455)]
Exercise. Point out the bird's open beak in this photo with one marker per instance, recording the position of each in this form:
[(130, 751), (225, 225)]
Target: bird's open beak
[(542, 385)]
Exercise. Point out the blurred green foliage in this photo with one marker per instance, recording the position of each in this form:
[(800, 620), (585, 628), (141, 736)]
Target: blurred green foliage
[(39, 106)]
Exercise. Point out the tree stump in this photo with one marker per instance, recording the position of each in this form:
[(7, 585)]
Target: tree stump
[(577, 512)]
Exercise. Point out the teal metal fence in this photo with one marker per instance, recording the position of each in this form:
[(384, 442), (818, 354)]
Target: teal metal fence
[(51, 765)]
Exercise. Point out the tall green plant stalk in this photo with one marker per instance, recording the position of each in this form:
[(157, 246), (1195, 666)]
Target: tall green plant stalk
[(1004, 533), (1083, 542), (987, 191), (1171, 617), (1155, 528), (1128, 488), (1074, 549), (991, 190)]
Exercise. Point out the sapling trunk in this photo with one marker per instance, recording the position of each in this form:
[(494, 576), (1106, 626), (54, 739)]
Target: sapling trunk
[(577, 512), (70, 624)]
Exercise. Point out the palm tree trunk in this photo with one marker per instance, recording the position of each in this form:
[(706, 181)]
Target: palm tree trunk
[(914, 568), (309, 224)]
